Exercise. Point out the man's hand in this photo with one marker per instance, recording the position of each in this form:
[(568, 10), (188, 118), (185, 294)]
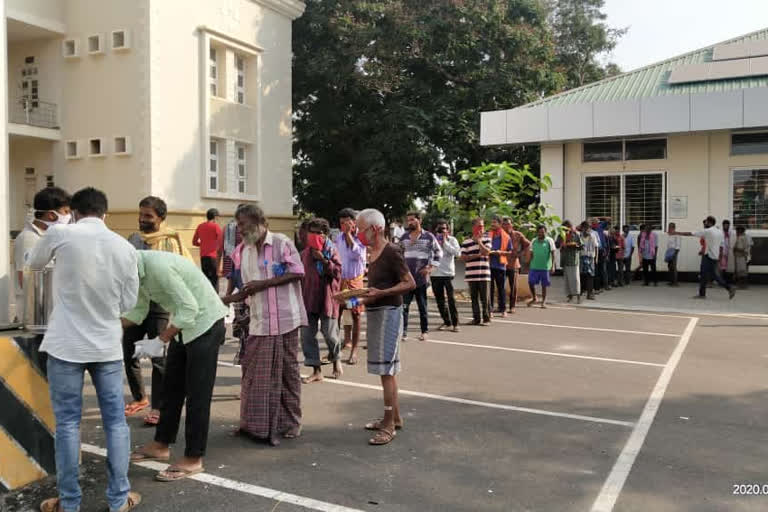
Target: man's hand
[(318, 255), (168, 334), (254, 287), (426, 271), (126, 323), (348, 238), (373, 294)]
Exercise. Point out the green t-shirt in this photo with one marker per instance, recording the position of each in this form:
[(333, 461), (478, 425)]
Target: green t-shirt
[(542, 253)]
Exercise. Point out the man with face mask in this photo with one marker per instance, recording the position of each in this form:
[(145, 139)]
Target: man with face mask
[(51, 208), (271, 268), (155, 236)]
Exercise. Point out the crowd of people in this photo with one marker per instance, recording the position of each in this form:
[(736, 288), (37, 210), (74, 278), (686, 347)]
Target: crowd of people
[(118, 301)]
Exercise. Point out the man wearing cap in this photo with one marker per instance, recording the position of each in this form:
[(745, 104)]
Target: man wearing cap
[(208, 237)]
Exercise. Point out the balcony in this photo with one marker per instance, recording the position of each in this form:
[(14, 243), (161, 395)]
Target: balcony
[(40, 114)]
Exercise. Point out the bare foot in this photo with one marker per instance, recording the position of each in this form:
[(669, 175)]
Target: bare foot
[(530, 302), (337, 370), (153, 450), (352, 358), (543, 305), (315, 377)]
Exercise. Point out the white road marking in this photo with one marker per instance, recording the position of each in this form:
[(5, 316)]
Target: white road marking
[(598, 329), (544, 353), (465, 401), (616, 311), (621, 469), (234, 485)]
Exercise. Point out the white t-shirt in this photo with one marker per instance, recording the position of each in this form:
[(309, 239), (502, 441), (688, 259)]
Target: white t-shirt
[(95, 280), (713, 238), (674, 242)]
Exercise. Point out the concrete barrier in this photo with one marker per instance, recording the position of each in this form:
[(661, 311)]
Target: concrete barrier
[(27, 424)]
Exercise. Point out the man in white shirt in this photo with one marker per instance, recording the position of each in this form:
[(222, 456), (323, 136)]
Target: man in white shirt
[(442, 277), (674, 244), (51, 206), (713, 239), (95, 280)]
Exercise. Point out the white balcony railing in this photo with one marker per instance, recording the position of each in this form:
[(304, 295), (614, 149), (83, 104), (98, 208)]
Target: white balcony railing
[(34, 113)]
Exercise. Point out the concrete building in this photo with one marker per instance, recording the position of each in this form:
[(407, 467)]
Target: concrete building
[(189, 100), (671, 142)]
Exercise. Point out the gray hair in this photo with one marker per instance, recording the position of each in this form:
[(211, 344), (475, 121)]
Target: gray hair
[(253, 211), (372, 217)]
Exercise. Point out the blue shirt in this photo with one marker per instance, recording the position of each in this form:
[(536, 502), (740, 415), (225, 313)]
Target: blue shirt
[(495, 258)]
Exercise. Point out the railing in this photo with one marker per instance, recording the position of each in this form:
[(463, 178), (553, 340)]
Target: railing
[(34, 113)]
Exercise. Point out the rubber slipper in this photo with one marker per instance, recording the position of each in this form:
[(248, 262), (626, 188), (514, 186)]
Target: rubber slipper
[(145, 457), (135, 407), (173, 473)]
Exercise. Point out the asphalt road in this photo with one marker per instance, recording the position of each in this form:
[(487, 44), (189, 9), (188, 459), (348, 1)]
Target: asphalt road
[(545, 410)]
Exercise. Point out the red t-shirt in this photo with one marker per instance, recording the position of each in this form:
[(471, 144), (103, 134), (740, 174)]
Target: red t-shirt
[(208, 237)]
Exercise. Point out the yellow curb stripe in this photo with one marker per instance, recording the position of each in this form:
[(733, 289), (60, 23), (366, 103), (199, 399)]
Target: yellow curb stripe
[(23, 380), (16, 467)]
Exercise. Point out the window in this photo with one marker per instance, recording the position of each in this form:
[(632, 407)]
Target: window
[(213, 73), (241, 169), (618, 150), (72, 149), (602, 151), (240, 83), (121, 40), (750, 198), (749, 143), (70, 49), (95, 44), (122, 146), (647, 149), (630, 198), (95, 148), (49, 181), (213, 167)]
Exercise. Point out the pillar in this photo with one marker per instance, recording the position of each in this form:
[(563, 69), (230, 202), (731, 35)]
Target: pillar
[(5, 228)]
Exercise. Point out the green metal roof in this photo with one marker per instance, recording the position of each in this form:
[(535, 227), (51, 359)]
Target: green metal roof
[(651, 80)]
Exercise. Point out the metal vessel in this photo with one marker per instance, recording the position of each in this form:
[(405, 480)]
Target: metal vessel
[(38, 299)]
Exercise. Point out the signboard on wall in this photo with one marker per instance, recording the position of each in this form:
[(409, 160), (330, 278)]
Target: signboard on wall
[(678, 207)]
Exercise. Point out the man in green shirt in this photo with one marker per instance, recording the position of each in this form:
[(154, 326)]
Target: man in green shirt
[(193, 339), (542, 264)]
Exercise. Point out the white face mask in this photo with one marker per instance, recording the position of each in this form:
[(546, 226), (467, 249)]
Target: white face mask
[(60, 219)]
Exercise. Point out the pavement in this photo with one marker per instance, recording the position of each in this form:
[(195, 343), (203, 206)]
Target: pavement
[(563, 409)]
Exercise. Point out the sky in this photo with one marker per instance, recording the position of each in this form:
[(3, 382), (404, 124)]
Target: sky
[(659, 29)]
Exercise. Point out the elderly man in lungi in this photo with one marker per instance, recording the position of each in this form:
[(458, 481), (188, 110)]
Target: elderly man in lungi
[(272, 271), (388, 280), (353, 258)]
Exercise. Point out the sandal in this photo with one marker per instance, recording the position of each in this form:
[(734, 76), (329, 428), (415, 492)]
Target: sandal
[(376, 425), (382, 437), (293, 433), (174, 473), (138, 456), (133, 501), (152, 419), (50, 505), (136, 407)]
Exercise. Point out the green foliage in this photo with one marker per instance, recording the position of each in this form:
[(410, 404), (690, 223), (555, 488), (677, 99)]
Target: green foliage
[(388, 94), (496, 189)]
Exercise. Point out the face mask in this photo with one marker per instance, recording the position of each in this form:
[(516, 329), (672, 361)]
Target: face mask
[(363, 237), (60, 219), (477, 231), (315, 241)]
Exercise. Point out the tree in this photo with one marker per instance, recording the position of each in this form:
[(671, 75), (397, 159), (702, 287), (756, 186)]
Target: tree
[(388, 94), (496, 189), (581, 36)]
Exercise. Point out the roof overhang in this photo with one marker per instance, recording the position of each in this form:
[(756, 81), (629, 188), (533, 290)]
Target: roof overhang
[(674, 113)]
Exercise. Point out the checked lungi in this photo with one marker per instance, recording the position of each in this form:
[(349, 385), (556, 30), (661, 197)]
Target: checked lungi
[(270, 392)]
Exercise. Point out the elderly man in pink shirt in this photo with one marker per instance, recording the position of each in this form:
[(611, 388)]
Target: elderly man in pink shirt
[(272, 272)]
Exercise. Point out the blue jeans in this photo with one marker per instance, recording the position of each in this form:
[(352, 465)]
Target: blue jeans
[(309, 345), (65, 381), (709, 271)]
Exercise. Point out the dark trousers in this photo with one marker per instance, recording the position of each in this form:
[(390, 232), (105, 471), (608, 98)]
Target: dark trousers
[(649, 271), (190, 373), (479, 292), (154, 324), (420, 292), (612, 271), (498, 280), (625, 270), (601, 279), (587, 284), (672, 267), (708, 272), (512, 277), (211, 271), (442, 286)]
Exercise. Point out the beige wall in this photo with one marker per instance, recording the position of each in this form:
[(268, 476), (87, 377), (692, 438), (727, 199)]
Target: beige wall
[(698, 166), (26, 152), (45, 13)]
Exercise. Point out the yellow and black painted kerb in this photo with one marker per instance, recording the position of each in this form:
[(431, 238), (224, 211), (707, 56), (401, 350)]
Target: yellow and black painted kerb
[(27, 423)]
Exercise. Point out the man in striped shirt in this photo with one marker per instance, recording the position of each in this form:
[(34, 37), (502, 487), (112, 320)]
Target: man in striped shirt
[(422, 254), (474, 252)]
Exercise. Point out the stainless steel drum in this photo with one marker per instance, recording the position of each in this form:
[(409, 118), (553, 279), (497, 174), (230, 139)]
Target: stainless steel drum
[(38, 299)]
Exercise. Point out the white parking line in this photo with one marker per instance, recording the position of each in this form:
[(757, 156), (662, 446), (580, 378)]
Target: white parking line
[(544, 353), (465, 401), (234, 485), (617, 311), (621, 469), (598, 329)]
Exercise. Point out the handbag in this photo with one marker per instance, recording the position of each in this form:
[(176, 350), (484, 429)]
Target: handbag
[(670, 254)]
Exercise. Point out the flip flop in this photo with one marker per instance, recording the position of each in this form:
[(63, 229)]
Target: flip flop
[(138, 456), (135, 407), (174, 473), (151, 420), (50, 505)]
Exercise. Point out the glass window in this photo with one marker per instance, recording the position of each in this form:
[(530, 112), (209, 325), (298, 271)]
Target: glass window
[(602, 151), (240, 83), (213, 74), (241, 169), (213, 167), (750, 198), (749, 143), (603, 196), (643, 199), (649, 149)]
